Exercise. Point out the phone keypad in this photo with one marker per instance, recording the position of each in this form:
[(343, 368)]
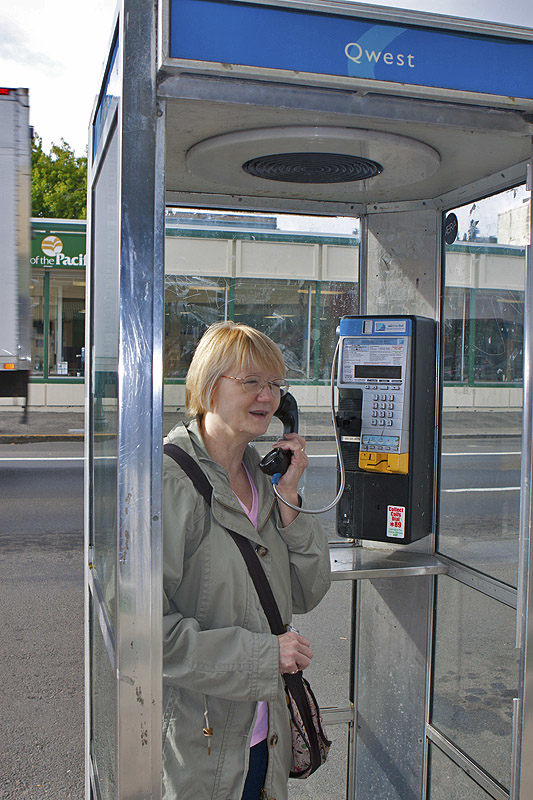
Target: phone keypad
[(383, 411)]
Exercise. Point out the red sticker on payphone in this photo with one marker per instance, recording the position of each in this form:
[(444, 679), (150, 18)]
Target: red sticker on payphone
[(396, 522)]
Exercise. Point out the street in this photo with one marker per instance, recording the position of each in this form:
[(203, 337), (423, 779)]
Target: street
[(41, 592), (41, 595)]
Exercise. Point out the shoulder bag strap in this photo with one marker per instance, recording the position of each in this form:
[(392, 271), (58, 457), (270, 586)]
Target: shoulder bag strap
[(260, 580)]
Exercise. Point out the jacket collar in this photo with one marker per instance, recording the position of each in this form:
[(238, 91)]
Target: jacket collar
[(189, 437)]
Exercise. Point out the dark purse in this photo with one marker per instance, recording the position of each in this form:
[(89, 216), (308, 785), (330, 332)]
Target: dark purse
[(310, 744)]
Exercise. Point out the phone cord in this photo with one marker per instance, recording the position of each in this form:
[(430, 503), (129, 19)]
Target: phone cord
[(276, 477)]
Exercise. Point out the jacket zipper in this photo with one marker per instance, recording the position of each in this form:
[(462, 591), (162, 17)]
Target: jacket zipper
[(207, 730)]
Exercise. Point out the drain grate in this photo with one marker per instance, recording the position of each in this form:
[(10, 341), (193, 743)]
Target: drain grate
[(312, 167)]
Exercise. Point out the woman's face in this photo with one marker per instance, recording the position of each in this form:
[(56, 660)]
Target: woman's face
[(245, 414)]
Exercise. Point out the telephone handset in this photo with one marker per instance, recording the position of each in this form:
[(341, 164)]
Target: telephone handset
[(277, 461)]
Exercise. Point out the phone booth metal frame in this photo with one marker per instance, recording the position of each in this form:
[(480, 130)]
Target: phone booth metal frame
[(153, 108)]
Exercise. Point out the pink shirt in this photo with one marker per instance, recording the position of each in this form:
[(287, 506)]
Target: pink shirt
[(260, 730)]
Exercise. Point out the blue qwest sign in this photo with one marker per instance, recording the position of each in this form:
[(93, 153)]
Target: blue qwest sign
[(272, 37)]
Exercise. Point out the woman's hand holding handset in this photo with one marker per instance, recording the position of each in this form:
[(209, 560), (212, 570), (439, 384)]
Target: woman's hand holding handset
[(288, 483), (299, 461)]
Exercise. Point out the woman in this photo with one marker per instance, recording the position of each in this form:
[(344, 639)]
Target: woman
[(225, 722)]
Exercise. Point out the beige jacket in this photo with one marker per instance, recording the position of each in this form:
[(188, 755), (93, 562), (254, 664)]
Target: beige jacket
[(219, 656)]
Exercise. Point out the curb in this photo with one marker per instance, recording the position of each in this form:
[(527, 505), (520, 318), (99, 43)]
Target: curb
[(32, 438), (27, 438)]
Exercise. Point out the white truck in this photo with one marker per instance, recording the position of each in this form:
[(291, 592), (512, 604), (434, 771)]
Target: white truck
[(15, 237)]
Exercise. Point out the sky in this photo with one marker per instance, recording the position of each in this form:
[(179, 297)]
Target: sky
[(57, 49)]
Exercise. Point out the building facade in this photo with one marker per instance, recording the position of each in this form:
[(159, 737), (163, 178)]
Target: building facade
[(292, 285)]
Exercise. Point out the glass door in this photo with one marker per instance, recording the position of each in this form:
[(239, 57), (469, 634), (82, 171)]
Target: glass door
[(476, 674)]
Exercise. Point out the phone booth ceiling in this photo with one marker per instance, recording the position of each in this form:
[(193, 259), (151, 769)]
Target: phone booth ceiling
[(360, 111)]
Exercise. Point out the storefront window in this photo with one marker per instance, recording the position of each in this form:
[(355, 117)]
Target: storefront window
[(191, 305), (37, 328), (499, 327), (337, 299), (283, 310), (66, 353), (484, 294), (456, 331), (483, 335)]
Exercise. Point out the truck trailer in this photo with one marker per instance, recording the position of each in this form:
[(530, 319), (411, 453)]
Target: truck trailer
[(15, 237)]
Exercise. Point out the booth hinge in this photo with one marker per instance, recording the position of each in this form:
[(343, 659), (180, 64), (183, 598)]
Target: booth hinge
[(528, 177)]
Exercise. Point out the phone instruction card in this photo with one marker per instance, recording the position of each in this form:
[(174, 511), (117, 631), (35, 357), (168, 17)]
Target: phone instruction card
[(396, 522)]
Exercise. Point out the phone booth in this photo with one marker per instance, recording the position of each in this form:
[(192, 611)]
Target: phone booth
[(330, 109)]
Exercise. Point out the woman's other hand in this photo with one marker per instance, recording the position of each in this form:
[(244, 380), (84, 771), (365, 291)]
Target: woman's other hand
[(294, 652)]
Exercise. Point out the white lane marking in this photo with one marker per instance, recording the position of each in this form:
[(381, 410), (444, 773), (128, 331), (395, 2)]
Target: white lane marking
[(446, 455), (320, 455), (41, 458), (503, 453), (481, 489)]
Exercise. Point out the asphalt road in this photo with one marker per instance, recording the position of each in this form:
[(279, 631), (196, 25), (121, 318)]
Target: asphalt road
[(41, 595)]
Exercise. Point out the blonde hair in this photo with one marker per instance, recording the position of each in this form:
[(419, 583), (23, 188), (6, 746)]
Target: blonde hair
[(225, 346)]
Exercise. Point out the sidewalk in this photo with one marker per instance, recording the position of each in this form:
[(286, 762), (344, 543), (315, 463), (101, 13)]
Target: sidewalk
[(50, 426)]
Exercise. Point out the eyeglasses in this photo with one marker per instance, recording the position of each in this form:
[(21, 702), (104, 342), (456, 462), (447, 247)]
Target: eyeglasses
[(253, 384)]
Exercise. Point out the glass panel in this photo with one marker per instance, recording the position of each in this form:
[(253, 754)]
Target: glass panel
[(475, 675), (499, 336), (480, 504), (37, 330), (103, 705), (330, 780), (191, 305), (456, 328), (103, 447), (484, 297), (337, 299), (67, 323), (105, 348), (282, 309), (482, 419), (329, 673), (302, 320), (448, 782)]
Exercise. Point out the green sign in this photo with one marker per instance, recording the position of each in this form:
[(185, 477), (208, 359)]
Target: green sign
[(57, 249)]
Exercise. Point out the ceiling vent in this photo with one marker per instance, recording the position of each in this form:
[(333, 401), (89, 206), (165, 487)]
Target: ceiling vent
[(305, 160), (312, 167)]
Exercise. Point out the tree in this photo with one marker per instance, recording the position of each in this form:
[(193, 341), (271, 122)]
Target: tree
[(58, 181)]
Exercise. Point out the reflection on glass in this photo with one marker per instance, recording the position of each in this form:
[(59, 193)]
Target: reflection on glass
[(330, 780), (286, 310), (37, 330), (281, 309), (105, 327), (337, 299), (475, 675), (103, 701), (103, 448), (191, 305), (499, 335), (482, 355), (484, 292), (448, 782), (480, 504)]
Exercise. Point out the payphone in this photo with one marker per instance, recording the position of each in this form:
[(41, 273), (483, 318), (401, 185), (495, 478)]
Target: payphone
[(386, 419)]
